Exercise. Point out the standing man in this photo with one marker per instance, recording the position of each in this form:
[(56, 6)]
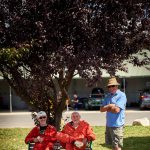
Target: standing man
[(114, 104)]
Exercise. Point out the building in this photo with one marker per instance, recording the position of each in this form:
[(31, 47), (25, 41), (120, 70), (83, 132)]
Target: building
[(132, 82), (137, 78)]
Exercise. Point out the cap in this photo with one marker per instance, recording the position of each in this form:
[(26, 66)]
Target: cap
[(41, 113)]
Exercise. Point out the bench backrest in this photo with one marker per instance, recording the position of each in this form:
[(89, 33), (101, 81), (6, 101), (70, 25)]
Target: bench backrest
[(30, 146), (57, 146)]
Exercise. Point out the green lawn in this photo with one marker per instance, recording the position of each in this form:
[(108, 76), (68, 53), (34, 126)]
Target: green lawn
[(136, 138)]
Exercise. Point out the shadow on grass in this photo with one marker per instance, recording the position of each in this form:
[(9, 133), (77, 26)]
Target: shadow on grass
[(106, 145), (134, 143), (137, 143)]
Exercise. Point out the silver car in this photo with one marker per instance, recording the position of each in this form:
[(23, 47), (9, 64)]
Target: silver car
[(94, 101), (145, 99), (96, 98)]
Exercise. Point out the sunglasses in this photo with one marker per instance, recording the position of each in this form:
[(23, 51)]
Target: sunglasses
[(111, 86), (42, 117)]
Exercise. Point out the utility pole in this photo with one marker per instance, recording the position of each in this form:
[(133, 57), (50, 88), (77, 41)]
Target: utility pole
[(10, 98), (124, 85)]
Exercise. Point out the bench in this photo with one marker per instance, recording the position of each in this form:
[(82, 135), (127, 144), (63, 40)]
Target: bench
[(57, 146)]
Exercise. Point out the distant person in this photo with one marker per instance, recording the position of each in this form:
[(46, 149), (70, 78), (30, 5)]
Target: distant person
[(67, 103), (76, 133), (114, 104), (75, 101), (42, 135)]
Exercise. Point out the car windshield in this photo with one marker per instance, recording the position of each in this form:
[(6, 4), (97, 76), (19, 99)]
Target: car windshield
[(96, 96), (146, 92), (97, 91)]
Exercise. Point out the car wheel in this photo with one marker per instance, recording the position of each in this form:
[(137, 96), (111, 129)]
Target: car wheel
[(90, 108), (86, 106), (142, 108)]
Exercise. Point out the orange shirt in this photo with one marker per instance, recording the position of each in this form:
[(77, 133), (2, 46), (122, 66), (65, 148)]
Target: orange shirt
[(70, 134)]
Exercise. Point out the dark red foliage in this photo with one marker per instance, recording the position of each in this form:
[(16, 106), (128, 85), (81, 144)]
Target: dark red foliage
[(65, 37)]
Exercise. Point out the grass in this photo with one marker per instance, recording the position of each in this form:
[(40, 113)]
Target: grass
[(135, 138)]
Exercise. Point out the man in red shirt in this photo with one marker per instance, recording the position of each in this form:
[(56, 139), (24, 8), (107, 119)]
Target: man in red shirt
[(76, 133)]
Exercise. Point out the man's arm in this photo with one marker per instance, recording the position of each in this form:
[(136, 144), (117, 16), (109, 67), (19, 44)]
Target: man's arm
[(110, 108), (115, 109), (104, 108)]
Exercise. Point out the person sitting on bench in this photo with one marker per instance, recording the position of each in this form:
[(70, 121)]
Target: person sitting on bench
[(42, 135), (76, 133)]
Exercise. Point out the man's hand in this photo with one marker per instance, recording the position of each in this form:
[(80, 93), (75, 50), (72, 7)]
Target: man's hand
[(35, 140), (114, 108), (78, 144), (110, 108), (84, 140), (40, 139), (111, 105), (106, 107)]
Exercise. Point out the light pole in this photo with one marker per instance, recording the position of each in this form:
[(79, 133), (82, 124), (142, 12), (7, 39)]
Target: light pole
[(124, 85), (10, 98)]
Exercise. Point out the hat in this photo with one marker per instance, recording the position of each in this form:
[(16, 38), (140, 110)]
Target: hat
[(41, 113), (112, 81)]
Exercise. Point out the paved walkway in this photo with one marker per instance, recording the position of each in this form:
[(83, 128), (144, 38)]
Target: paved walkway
[(95, 118)]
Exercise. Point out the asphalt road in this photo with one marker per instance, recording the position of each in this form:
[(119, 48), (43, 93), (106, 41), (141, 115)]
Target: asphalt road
[(95, 118)]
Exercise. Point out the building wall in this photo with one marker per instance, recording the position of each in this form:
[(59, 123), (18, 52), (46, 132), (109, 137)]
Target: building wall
[(78, 86), (133, 85), (4, 95), (17, 103)]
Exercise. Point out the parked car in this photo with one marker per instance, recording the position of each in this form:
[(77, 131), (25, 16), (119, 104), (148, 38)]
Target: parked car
[(95, 99), (144, 99), (82, 102)]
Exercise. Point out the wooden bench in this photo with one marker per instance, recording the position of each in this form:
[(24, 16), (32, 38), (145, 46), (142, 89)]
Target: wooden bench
[(57, 146)]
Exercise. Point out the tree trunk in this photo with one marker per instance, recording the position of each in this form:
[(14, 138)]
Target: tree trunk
[(57, 121)]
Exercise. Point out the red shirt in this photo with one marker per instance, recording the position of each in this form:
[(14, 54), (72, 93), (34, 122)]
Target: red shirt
[(48, 135), (70, 134)]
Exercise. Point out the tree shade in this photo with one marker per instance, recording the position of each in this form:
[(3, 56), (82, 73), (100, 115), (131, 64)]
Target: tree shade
[(44, 43)]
